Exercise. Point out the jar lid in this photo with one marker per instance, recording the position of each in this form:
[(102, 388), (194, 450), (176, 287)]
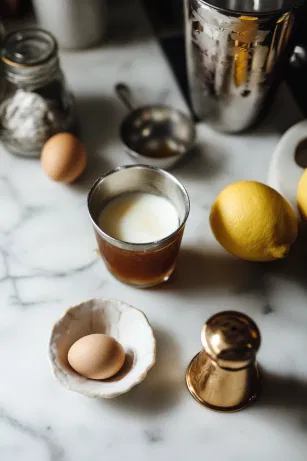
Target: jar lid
[(231, 339), (28, 47), (254, 7)]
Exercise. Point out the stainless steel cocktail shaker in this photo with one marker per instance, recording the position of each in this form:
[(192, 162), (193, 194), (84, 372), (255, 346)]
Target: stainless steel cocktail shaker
[(237, 51)]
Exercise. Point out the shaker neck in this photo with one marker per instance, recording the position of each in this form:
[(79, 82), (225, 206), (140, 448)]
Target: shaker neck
[(252, 7)]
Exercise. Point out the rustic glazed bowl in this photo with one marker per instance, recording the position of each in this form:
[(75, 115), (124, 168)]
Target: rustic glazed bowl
[(125, 323)]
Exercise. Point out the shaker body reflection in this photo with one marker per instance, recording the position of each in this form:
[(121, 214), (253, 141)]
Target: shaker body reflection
[(219, 389), (235, 60)]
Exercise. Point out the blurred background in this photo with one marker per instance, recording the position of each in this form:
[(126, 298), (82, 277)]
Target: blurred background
[(166, 18)]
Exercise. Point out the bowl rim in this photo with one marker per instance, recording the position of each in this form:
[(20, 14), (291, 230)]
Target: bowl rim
[(55, 368)]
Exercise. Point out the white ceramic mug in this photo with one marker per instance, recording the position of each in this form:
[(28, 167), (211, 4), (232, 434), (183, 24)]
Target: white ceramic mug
[(75, 24)]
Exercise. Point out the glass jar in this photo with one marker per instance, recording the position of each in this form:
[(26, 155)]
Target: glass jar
[(34, 101)]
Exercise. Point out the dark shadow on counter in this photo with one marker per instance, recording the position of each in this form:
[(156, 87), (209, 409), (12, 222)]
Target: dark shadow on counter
[(127, 22), (209, 270), (280, 115), (204, 161), (163, 387), (294, 266), (204, 269), (285, 393), (99, 119)]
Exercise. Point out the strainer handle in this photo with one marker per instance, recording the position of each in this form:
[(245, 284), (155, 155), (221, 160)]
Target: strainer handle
[(123, 92)]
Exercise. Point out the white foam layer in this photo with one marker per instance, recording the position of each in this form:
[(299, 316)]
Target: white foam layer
[(139, 218)]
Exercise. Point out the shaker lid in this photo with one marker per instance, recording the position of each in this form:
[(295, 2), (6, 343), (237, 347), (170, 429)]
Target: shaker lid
[(231, 339), (28, 47), (253, 6)]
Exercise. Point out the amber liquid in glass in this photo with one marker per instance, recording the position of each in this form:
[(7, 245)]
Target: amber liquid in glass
[(140, 268), (139, 219)]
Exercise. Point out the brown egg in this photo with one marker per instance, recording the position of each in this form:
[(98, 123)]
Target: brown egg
[(63, 158), (96, 356)]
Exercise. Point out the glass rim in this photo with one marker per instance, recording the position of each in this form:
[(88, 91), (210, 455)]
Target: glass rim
[(146, 245), (18, 33)]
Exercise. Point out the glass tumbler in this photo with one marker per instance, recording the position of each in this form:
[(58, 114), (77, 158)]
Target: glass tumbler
[(139, 264)]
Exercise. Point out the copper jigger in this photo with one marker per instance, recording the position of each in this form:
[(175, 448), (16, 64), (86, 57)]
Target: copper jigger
[(224, 376)]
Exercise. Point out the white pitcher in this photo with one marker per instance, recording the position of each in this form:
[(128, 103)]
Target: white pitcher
[(75, 24)]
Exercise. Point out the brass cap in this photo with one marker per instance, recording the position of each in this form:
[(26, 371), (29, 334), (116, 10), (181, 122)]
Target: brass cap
[(231, 339)]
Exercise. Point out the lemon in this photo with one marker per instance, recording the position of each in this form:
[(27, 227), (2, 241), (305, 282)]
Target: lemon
[(253, 221), (302, 195)]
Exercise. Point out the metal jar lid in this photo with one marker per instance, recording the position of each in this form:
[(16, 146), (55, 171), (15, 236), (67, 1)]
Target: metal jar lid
[(256, 7)]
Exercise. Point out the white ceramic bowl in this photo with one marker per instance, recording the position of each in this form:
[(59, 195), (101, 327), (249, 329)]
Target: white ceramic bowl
[(125, 323)]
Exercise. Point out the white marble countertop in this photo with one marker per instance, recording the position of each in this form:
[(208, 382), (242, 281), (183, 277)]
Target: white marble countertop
[(48, 261)]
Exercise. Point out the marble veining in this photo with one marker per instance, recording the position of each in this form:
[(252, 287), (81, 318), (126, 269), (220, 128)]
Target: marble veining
[(49, 261), (42, 437)]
